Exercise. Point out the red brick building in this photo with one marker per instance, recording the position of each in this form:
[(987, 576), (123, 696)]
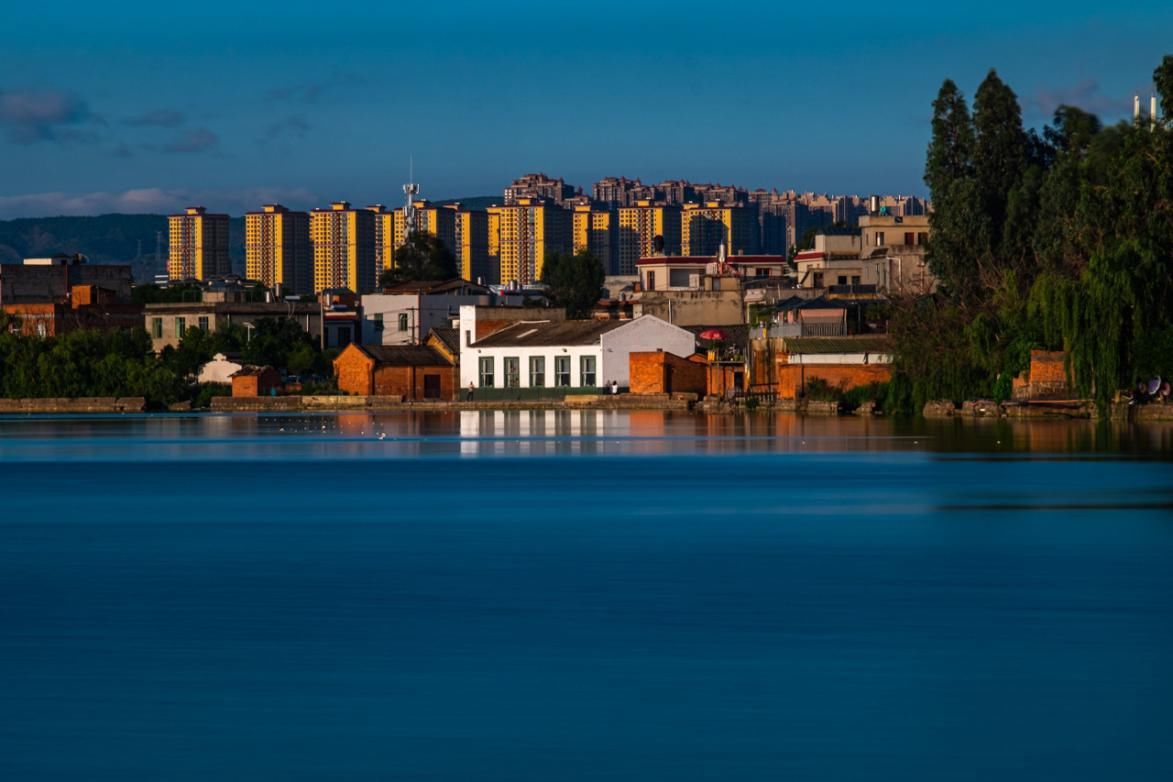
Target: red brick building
[(255, 381), (413, 372), (660, 372), (841, 362)]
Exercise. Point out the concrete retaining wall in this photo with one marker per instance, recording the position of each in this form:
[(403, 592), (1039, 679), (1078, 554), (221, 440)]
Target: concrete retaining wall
[(226, 404), (88, 404)]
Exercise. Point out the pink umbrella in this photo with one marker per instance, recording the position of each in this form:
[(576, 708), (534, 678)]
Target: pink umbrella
[(715, 335)]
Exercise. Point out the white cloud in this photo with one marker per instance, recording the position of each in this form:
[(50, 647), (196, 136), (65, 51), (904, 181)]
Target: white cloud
[(151, 200)]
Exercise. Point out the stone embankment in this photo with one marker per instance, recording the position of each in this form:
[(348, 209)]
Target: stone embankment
[(1081, 408), (87, 404), (226, 404)]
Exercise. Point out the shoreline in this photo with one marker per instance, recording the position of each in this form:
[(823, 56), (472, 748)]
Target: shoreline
[(1074, 410)]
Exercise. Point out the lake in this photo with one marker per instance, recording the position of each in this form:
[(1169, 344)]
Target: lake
[(581, 595)]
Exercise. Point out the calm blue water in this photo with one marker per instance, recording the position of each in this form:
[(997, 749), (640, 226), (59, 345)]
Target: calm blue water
[(583, 596)]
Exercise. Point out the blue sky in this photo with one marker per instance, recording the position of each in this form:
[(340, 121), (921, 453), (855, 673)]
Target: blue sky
[(148, 106)]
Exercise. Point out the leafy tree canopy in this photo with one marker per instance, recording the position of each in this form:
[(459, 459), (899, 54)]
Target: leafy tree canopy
[(422, 257), (575, 281)]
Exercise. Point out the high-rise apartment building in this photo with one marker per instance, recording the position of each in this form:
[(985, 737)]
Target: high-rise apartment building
[(705, 227), (614, 192), (471, 230), (198, 245), (430, 219), (384, 223), (594, 230), (638, 227), (343, 242), (538, 186), (277, 249), (521, 235)]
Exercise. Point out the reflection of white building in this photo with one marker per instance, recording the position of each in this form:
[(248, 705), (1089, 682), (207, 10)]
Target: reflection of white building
[(562, 353), (219, 370)]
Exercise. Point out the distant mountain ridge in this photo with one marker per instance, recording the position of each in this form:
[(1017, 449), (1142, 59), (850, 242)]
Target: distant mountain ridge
[(123, 238)]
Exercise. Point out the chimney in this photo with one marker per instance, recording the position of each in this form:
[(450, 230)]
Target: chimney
[(1136, 108), (1152, 112)]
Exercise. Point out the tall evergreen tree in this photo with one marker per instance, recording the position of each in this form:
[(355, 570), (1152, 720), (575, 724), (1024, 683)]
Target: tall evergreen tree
[(957, 225), (1163, 79), (951, 149), (1000, 157)]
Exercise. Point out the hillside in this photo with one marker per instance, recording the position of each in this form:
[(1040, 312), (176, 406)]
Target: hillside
[(112, 238), (122, 238)]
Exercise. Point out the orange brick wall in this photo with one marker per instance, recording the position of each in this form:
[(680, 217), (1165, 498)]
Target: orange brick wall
[(408, 382), (1047, 377), (1046, 366), (657, 372), (47, 314), (722, 379), (792, 377), (353, 368)]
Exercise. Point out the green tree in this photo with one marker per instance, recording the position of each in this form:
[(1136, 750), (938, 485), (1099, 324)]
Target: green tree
[(950, 155), (575, 281), (422, 257), (1000, 156)]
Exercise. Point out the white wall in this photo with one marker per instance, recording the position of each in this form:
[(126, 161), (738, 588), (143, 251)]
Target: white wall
[(840, 358), (644, 334), (470, 356), (424, 313)]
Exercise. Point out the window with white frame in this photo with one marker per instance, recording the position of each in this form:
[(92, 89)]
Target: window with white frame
[(512, 371), (562, 371), (486, 371), (537, 371), (586, 371)]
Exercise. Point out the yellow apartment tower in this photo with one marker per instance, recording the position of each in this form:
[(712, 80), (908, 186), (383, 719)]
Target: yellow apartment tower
[(522, 234), (384, 223), (436, 220), (343, 242), (703, 227), (639, 226), (594, 230), (471, 234), (277, 249), (198, 245)]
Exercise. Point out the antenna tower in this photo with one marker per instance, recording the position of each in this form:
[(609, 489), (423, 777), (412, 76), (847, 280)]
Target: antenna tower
[(410, 191)]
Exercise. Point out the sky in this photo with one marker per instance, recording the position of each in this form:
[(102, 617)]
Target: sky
[(148, 107)]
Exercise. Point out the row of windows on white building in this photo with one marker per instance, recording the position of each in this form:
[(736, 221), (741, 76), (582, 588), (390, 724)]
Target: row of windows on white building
[(511, 371)]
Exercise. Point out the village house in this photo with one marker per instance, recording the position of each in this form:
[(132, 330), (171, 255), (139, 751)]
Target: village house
[(561, 354), (405, 314), (704, 290), (841, 362), (251, 381), (411, 372), (52, 296)]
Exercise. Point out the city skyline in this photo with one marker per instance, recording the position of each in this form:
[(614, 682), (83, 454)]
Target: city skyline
[(132, 114)]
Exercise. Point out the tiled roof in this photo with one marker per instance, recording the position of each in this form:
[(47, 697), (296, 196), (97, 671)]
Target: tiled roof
[(449, 337), (405, 355), (529, 333), (250, 370), (868, 343)]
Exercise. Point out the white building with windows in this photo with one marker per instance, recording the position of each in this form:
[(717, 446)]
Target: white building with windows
[(562, 353), (404, 315)]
